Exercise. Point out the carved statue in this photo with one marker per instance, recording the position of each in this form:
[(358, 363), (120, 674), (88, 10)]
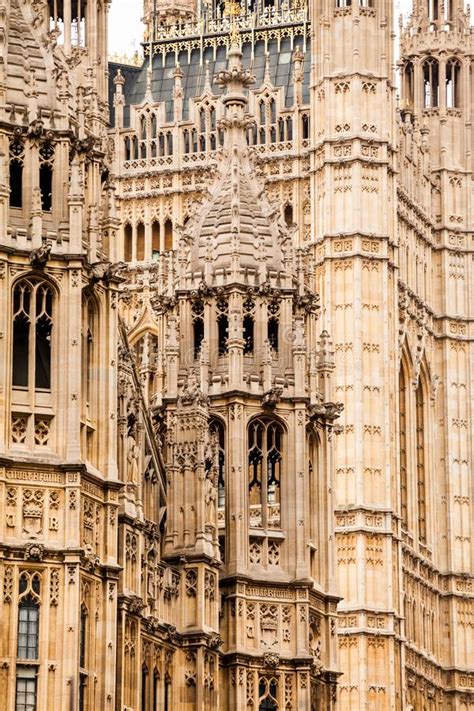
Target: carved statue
[(133, 453)]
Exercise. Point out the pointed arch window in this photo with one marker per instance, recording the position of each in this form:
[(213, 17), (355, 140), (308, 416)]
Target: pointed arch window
[(128, 242), (288, 215), (431, 83), (267, 119), (265, 447), (28, 628), (268, 694), (156, 689), (32, 333), (28, 616), (126, 144), (453, 84), (420, 460), (168, 235), (144, 688), (83, 637), (140, 241), (402, 435), (408, 85), (305, 126)]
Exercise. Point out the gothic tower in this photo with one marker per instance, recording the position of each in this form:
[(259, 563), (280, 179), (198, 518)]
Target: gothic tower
[(353, 231), (246, 420), (58, 471), (435, 349)]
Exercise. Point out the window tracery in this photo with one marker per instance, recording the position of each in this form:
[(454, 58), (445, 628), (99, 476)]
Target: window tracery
[(430, 83), (28, 640), (266, 129), (265, 446), (28, 615), (32, 334), (207, 127), (268, 694)]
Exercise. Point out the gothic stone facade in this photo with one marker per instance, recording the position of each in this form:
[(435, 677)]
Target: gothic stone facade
[(236, 354)]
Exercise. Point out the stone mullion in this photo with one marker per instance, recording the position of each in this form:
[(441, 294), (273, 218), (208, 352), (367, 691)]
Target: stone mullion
[(60, 169), (297, 485), (9, 637), (68, 380), (44, 641), (201, 543), (110, 631), (186, 498), (235, 342), (236, 511), (70, 626)]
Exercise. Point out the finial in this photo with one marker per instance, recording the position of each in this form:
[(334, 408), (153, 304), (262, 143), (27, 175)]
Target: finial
[(232, 10), (267, 79), (119, 79)]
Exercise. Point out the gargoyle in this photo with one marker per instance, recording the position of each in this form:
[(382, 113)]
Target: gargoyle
[(40, 255)]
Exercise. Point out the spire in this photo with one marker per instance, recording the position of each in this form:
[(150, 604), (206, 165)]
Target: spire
[(235, 80), (236, 232)]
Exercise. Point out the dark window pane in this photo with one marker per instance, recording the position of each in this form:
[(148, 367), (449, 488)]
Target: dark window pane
[(248, 335), (16, 184), (46, 187), (43, 354), (21, 337), (223, 334)]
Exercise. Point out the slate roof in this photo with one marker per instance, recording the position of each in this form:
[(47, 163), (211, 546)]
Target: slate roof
[(281, 70)]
